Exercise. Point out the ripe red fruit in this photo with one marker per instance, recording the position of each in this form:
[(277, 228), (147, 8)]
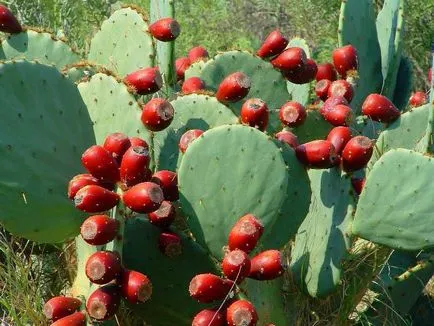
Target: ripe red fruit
[(169, 244), (326, 71), (322, 89), (241, 313), (236, 265), (209, 287), (193, 85), (136, 141), (198, 53), (187, 138), (94, 199), (339, 137), (79, 181), (254, 113), (59, 307), (345, 59), (103, 267), (135, 166), (357, 153), (418, 99), (168, 181), (339, 115), (209, 317), (157, 114), (288, 138), (304, 75), (165, 29), (117, 144), (380, 108), (97, 230), (292, 114), (100, 163), (8, 22), (358, 184), (135, 287), (291, 59), (103, 303), (164, 216), (317, 154), (331, 103), (144, 197), (145, 81), (181, 65), (76, 319), (274, 44), (341, 88), (245, 233), (267, 265), (233, 88)]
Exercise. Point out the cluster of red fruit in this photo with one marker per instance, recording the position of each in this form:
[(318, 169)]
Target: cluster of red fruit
[(236, 266)]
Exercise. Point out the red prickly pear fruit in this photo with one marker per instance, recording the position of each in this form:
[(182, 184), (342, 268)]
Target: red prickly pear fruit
[(145, 81), (326, 71), (193, 85), (317, 154), (187, 138), (292, 114), (357, 153), (417, 99), (59, 307), (341, 88), (241, 313), (245, 233), (345, 59), (380, 108), (100, 163), (8, 22), (136, 141), (103, 303), (181, 65), (117, 144), (95, 199), (80, 181), (76, 319), (339, 115), (358, 184), (287, 137), (209, 287), (170, 244), (144, 197), (254, 113), (292, 59), (168, 181), (165, 29), (98, 230), (209, 317), (304, 75), (233, 88), (273, 45), (198, 53), (322, 89), (157, 114), (236, 265), (103, 267), (339, 137), (135, 287), (331, 103), (164, 216), (266, 265), (135, 166)]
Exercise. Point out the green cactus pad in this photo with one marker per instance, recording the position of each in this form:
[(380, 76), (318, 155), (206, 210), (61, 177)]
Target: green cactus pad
[(367, 127), (123, 44), (313, 128), (228, 172), (266, 83), (112, 108), (76, 72), (394, 208), (170, 303), (191, 112), (323, 238), (195, 70), (404, 84), (44, 129), (299, 93), (40, 46), (357, 27)]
